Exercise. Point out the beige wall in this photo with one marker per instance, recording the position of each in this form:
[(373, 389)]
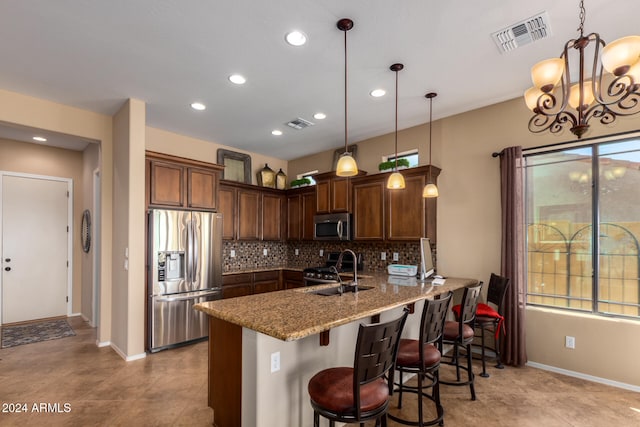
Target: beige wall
[(38, 159), (36, 113), (469, 221), (90, 162), (184, 146)]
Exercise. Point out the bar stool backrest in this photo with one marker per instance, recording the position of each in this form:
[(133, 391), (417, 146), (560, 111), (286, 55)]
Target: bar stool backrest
[(434, 315)]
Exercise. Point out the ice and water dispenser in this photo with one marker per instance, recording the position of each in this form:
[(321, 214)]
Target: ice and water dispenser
[(171, 265)]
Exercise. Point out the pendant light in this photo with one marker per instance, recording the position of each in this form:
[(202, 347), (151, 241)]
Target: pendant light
[(430, 190), (396, 180), (346, 164)]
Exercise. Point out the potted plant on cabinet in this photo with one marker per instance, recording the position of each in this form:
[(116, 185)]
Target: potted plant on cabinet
[(390, 164)]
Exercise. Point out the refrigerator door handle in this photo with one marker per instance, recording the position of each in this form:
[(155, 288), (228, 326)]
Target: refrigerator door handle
[(189, 266), (172, 299), (195, 251)]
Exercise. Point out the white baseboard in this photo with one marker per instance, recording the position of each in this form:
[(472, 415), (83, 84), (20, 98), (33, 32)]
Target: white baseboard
[(587, 377), (103, 343), (125, 357)]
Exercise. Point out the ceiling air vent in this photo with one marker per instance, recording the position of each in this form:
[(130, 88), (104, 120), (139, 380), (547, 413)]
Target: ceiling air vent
[(530, 30), (299, 123)]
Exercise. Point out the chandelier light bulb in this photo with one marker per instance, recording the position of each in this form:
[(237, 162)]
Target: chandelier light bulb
[(619, 55), (531, 96), (546, 74), (574, 95)]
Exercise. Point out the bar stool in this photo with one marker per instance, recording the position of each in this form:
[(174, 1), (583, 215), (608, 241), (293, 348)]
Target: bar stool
[(423, 360), (489, 319), (460, 335), (360, 393)]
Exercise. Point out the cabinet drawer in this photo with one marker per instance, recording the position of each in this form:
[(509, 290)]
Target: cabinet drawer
[(235, 279), (266, 275)]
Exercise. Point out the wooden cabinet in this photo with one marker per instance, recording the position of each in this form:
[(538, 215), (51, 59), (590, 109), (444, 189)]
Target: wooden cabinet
[(272, 216), (368, 209), (241, 284), (382, 214), (250, 212), (301, 207), (266, 281), (181, 183), (333, 194), (292, 279), (237, 285)]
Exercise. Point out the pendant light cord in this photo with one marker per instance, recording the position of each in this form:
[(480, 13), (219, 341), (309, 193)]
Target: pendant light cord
[(430, 120), (345, 92), (396, 144)]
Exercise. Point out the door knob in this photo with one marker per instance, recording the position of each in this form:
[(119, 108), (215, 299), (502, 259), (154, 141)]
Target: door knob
[(7, 259), (7, 269)]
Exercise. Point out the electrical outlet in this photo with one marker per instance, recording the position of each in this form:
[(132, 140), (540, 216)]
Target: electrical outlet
[(297, 252), (275, 362), (570, 342), (383, 256), (232, 253), (396, 256), (321, 252), (265, 252)]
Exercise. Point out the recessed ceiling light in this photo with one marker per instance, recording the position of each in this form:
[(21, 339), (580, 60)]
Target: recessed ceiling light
[(40, 139), (198, 106), (377, 93), (320, 116), (237, 79), (296, 38), (276, 132)]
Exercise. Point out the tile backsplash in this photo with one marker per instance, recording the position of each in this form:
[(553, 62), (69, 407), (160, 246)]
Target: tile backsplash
[(279, 254)]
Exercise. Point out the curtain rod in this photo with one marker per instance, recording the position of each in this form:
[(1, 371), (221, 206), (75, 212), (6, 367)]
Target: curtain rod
[(613, 135)]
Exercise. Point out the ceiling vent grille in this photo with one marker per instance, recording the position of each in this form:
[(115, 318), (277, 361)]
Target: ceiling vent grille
[(299, 123), (530, 30)]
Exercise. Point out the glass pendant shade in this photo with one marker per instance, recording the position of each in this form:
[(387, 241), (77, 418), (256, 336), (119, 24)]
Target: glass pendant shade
[(430, 190), (574, 95), (621, 54), (346, 165), (634, 72), (531, 96), (395, 181), (546, 74)]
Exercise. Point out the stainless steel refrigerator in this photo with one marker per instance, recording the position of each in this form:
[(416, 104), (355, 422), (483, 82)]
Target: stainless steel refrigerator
[(185, 268)]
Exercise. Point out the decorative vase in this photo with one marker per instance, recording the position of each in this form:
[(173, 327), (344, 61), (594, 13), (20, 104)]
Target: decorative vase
[(281, 180), (267, 177)]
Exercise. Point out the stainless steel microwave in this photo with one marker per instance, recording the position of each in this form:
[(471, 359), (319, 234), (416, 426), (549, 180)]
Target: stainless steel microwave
[(336, 226)]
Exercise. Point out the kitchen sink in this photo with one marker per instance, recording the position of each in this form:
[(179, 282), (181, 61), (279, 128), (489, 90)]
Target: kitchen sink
[(336, 290)]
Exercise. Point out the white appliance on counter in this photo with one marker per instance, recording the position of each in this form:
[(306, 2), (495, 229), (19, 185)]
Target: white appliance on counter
[(185, 268)]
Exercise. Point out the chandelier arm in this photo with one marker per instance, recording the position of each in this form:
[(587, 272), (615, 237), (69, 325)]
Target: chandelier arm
[(553, 123)]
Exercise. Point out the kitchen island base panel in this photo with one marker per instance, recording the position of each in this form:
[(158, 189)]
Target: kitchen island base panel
[(225, 372), (281, 398)]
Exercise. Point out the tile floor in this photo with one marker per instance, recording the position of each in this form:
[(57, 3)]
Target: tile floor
[(169, 388)]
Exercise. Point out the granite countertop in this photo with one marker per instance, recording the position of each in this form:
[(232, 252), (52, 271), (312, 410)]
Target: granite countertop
[(293, 314)]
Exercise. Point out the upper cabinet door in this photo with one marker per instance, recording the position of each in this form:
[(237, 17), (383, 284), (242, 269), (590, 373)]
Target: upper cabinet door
[(368, 207), (340, 192), (227, 207), (272, 218), (248, 215), (167, 184), (323, 200), (202, 188), (406, 210)]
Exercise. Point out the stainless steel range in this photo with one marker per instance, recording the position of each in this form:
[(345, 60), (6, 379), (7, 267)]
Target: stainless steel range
[(329, 272)]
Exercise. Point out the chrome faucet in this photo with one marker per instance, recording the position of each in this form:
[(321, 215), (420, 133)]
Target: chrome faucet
[(341, 287), (355, 267)]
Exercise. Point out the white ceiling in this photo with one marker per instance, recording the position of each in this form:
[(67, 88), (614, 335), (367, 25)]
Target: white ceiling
[(95, 54)]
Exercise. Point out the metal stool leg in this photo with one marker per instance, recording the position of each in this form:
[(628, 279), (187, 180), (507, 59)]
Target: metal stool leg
[(484, 367)]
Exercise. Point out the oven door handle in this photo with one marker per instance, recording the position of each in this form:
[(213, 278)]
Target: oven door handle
[(340, 230)]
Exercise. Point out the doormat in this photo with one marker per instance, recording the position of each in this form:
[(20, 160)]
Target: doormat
[(35, 332)]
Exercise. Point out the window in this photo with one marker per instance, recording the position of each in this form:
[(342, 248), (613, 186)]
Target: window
[(411, 156), (583, 227)]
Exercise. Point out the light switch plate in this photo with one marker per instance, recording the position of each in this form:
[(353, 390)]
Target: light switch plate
[(383, 256), (275, 362), (265, 252), (232, 253), (297, 252), (321, 252), (396, 256)]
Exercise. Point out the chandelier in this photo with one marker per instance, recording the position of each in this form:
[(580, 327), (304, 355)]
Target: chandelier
[(557, 101)]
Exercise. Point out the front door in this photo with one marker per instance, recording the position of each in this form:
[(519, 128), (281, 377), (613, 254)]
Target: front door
[(35, 212)]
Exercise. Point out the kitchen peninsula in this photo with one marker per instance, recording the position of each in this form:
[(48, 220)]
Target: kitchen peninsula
[(264, 348)]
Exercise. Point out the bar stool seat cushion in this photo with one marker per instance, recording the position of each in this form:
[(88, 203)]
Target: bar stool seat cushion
[(333, 389), (451, 331), (409, 354)]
